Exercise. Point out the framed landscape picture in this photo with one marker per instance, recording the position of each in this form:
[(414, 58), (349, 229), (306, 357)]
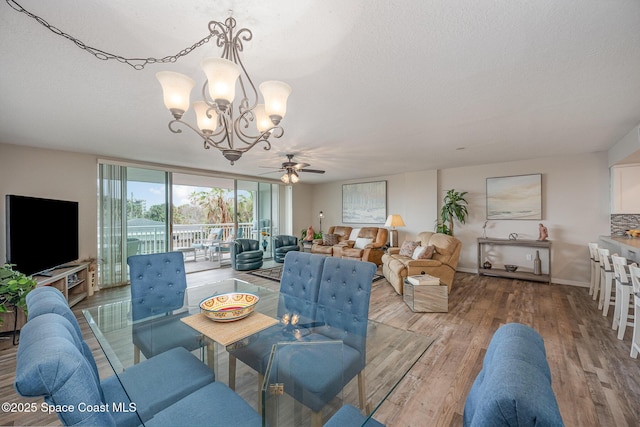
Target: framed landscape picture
[(515, 197), (364, 203)]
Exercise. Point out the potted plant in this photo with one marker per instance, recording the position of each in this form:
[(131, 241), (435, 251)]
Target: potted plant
[(14, 287), (454, 206)]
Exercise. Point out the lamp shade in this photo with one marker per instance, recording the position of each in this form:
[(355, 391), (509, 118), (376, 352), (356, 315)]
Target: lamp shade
[(394, 220), (263, 122), (205, 124), (176, 89), (221, 78), (275, 96)]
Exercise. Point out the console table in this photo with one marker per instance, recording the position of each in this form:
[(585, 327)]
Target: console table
[(523, 275)]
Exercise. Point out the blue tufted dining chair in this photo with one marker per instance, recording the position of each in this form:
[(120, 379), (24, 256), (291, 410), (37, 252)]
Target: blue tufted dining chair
[(298, 297), (158, 284), (315, 374)]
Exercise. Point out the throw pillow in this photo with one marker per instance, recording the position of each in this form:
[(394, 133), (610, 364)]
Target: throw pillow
[(330, 239), (361, 242), (423, 252), (354, 234), (408, 247)]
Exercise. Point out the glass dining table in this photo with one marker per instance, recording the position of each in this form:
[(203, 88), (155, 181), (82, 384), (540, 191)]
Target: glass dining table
[(390, 353)]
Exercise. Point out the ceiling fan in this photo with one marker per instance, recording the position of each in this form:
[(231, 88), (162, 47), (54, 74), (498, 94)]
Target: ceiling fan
[(291, 170)]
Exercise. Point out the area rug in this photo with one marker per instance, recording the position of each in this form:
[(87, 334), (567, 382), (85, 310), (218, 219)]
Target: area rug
[(274, 273)]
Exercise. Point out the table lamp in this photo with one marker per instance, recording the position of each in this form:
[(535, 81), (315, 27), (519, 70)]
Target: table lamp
[(393, 221)]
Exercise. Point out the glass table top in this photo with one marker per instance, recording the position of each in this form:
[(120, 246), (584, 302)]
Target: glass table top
[(390, 353)]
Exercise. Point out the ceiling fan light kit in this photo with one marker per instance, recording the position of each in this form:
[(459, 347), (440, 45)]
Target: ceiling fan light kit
[(215, 121)]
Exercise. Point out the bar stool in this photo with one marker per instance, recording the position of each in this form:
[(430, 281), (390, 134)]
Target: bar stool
[(595, 270), (621, 315), (635, 279), (606, 281)]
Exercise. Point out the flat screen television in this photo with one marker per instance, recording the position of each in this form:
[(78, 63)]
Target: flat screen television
[(41, 233)]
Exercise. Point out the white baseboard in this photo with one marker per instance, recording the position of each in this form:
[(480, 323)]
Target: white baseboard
[(553, 280)]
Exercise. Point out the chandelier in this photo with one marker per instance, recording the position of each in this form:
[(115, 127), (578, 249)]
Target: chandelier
[(215, 120)]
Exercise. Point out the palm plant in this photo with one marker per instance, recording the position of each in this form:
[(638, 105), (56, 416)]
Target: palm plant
[(454, 206)]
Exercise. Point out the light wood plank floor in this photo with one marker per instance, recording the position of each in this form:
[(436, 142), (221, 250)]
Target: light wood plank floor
[(595, 381)]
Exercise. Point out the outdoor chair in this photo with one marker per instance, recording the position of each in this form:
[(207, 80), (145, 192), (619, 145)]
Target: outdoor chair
[(158, 283)]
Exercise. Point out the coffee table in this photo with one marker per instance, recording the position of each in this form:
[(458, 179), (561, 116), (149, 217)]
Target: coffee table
[(391, 353)]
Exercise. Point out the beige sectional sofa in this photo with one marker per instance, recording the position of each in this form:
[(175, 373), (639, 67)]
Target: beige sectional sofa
[(443, 263)]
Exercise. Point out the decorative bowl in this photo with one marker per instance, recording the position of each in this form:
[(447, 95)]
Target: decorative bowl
[(229, 307), (510, 267)]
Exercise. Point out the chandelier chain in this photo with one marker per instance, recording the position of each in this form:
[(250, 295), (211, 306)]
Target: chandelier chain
[(135, 63)]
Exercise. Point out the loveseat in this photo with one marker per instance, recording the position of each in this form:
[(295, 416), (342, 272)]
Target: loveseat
[(514, 386), (397, 264)]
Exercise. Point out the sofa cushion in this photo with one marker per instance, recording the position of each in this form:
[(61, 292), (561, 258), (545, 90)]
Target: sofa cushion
[(330, 239), (408, 247), (423, 252), (361, 242)]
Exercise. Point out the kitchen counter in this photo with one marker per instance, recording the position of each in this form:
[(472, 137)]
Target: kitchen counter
[(623, 246)]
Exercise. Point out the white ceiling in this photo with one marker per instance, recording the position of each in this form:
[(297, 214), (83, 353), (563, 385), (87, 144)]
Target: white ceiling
[(379, 87)]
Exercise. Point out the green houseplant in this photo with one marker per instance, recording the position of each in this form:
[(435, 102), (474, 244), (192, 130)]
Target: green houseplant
[(14, 287), (454, 206)]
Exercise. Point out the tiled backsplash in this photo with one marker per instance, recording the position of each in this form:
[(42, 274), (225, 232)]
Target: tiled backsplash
[(622, 222)]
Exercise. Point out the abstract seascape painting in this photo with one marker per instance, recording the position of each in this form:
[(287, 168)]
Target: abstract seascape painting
[(515, 197), (364, 203)]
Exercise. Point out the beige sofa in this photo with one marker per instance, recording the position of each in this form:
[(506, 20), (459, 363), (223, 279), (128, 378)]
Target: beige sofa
[(396, 267)]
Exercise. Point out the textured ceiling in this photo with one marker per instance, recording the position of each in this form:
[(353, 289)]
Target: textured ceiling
[(378, 86)]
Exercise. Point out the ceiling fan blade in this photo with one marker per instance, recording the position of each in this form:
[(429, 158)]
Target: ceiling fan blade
[(311, 170), (299, 166)]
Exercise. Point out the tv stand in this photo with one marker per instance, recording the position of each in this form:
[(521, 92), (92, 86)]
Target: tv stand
[(70, 279)]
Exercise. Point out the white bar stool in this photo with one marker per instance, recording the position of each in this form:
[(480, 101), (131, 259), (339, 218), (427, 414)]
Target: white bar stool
[(595, 270), (606, 281), (635, 280), (621, 314)]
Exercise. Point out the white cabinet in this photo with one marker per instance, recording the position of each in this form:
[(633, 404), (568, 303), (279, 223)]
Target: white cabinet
[(625, 189)]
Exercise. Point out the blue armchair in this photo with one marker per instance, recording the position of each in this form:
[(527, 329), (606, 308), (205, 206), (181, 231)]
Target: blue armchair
[(158, 283), (283, 244), (52, 362), (246, 254)]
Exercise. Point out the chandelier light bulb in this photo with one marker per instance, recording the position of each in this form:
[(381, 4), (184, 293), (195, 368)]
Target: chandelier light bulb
[(275, 94), (294, 178), (221, 77), (263, 122), (205, 124), (176, 89), (285, 178)]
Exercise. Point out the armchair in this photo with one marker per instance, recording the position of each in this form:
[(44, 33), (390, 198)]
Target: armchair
[(158, 284), (283, 244), (246, 254), (325, 245), (368, 246)]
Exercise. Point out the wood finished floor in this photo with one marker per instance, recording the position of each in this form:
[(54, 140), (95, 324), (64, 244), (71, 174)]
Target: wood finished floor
[(595, 381)]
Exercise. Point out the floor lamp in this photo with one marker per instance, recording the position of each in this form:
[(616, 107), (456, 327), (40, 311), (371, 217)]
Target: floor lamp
[(394, 221)]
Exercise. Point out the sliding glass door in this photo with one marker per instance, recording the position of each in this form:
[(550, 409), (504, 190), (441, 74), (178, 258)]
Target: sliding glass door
[(133, 213)]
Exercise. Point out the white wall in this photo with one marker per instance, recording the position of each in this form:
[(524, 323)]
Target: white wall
[(575, 207), (413, 195), (53, 175), (575, 204)]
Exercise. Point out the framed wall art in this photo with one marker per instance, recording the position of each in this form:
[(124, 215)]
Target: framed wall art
[(515, 197), (364, 203)]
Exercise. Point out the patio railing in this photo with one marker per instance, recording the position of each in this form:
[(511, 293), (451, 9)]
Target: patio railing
[(151, 238)]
